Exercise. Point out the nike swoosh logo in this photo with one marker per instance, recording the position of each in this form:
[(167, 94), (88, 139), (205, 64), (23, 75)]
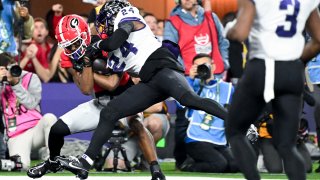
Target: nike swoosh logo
[(75, 167)]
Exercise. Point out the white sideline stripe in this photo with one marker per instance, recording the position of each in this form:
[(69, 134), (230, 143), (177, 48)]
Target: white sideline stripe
[(110, 177)]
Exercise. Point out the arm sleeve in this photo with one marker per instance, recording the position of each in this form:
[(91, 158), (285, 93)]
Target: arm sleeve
[(118, 37), (30, 97), (223, 42)]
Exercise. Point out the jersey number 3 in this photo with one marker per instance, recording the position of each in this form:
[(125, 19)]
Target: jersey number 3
[(292, 18)]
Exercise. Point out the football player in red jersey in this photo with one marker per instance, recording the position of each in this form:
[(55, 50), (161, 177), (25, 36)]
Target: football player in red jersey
[(73, 35)]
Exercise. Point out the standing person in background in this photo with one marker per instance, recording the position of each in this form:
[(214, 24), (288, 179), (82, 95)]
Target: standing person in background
[(197, 31), (53, 17), (273, 74), (10, 13), (25, 126), (36, 56)]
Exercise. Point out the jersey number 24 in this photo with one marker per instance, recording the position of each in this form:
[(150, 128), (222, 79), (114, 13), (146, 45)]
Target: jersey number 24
[(114, 62)]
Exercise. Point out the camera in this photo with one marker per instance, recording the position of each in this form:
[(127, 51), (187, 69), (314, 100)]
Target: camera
[(14, 70), (12, 164), (204, 71), (119, 136)]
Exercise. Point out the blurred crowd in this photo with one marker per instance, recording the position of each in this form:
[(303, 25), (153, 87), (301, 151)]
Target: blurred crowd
[(213, 66)]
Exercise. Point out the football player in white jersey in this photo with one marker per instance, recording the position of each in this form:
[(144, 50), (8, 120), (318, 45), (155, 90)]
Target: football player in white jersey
[(133, 48), (273, 74), (73, 35)]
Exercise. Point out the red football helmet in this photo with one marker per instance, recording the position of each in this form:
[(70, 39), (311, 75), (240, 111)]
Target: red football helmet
[(73, 35)]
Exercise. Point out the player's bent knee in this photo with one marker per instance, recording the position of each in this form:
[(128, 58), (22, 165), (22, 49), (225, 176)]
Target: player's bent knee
[(49, 119), (136, 126), (60, 129), (110, 114)]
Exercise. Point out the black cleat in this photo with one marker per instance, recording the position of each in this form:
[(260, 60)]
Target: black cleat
[(43, 168), (73, 165), (156, 172)]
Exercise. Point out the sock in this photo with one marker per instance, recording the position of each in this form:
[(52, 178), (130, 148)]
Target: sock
[(152, 163), (86, 161)]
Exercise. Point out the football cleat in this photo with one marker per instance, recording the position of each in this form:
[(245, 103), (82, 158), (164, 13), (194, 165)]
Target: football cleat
[(43, 168), (73, 165), (156, 172)]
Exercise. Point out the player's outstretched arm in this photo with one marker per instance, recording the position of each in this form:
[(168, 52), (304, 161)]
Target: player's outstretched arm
[(114, 41)]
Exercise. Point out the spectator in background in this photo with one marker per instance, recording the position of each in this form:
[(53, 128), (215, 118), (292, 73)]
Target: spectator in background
[(152, 22), (313, 68), (159, 32), (271, 157), (206, 141), (36, 56), (10, 13), (25, 126), (53, 17), (197, 31)]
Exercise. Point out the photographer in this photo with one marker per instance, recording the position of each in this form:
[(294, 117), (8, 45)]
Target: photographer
[(265, 144), (11, 12), (25, 127), (206, 142)]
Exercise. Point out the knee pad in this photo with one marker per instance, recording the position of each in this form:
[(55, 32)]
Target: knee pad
[(60, 129), (49, 119)]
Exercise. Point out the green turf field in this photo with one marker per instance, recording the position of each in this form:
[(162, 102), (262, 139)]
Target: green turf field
[(169, 170)]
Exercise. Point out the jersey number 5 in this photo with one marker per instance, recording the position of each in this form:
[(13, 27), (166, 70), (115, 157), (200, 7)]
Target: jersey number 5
[(292, 18)]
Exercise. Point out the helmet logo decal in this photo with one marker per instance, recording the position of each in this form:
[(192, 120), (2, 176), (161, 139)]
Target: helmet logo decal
[(74, 23)]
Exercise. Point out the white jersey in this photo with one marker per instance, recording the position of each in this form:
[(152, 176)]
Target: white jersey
[(277, 29), (132, 55)]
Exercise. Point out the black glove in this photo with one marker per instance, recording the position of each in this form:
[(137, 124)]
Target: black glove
[(77, 65), (93, 50)]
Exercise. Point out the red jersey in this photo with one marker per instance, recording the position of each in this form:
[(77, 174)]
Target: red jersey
[(66, 63), (42, 56), (198, 39)]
